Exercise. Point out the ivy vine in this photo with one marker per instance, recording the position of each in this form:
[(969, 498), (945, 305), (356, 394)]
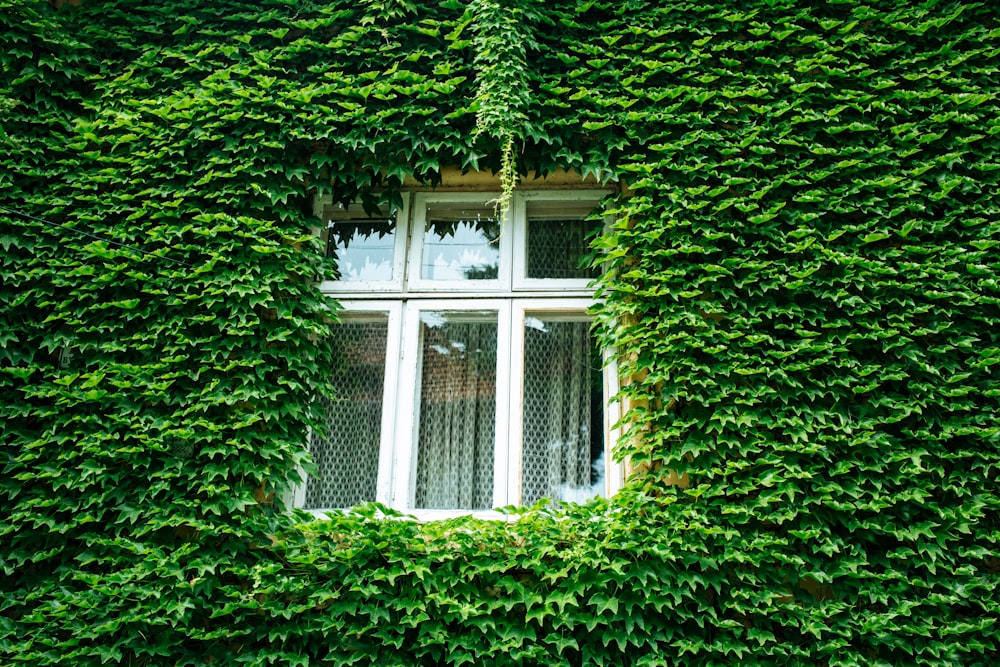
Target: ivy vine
[(502, 39), (801, 288)]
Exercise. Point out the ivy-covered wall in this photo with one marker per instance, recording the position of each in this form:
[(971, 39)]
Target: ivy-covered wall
[(801, 289)]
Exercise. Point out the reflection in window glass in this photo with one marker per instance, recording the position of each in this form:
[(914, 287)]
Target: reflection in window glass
[(457, 417), (563, 432), (460, 243), (363, 248), (346, 451), (558, 239)]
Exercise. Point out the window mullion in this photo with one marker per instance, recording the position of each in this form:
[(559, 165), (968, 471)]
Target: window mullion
[(519, 238), (504, 466), (390, 398), (406, 404), (514, 402)]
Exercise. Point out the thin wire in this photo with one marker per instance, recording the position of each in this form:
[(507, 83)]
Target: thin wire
[(93, 236)]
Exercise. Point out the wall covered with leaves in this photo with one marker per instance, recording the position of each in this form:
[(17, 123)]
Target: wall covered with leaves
[(802, 289)]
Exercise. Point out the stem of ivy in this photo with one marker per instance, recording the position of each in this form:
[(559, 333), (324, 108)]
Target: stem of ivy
[(508, 176)]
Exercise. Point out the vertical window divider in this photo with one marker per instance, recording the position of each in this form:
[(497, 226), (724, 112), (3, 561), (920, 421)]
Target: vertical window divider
[(406, 403), (519, 240), (390, 393), (515, 402), (502, 449)]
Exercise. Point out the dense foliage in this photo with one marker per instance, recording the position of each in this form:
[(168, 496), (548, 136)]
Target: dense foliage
[(802, 290)]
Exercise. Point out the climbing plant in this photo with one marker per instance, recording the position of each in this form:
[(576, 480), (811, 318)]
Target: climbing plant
[(502, 41), (800, 290)]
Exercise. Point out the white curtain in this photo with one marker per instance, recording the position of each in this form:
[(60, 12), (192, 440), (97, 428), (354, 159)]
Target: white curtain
[(346, 451), (456, 434), (562, 433)]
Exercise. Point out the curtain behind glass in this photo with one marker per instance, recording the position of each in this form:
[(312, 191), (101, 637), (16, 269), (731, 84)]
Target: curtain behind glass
[(558, 239), (346, 451), (457, 418), (563, 412), (556, 249)]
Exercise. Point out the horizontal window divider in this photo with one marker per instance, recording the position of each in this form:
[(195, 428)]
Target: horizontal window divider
[(411, 296)]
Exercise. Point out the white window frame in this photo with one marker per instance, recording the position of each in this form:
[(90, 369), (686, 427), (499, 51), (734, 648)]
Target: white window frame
[(513, 297)]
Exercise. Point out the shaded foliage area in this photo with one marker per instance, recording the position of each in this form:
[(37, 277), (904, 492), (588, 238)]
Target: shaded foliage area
[(802, 288)]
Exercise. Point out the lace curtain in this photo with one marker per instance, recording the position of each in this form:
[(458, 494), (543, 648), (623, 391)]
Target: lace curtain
[(562, 435), (456, 436), (562, 430), (346, 450)]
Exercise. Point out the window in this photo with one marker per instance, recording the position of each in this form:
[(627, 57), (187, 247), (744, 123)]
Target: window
[(467, 377)]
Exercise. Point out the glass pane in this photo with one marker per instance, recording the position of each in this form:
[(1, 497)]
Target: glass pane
[(363, 248), (346, 452), (558, 239), (563, 433), (460, 243), (457, 418)]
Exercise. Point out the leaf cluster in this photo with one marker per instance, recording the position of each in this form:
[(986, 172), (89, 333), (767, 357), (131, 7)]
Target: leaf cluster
[(800, 288)]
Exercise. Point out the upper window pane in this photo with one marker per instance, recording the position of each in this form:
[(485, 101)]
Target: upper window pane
[(558, 235), (457, 417), (363, 248), (460, 243)]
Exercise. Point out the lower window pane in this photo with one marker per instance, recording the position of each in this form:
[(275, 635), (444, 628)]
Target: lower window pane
[(457, 419), (346, 454), (563, 433)]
